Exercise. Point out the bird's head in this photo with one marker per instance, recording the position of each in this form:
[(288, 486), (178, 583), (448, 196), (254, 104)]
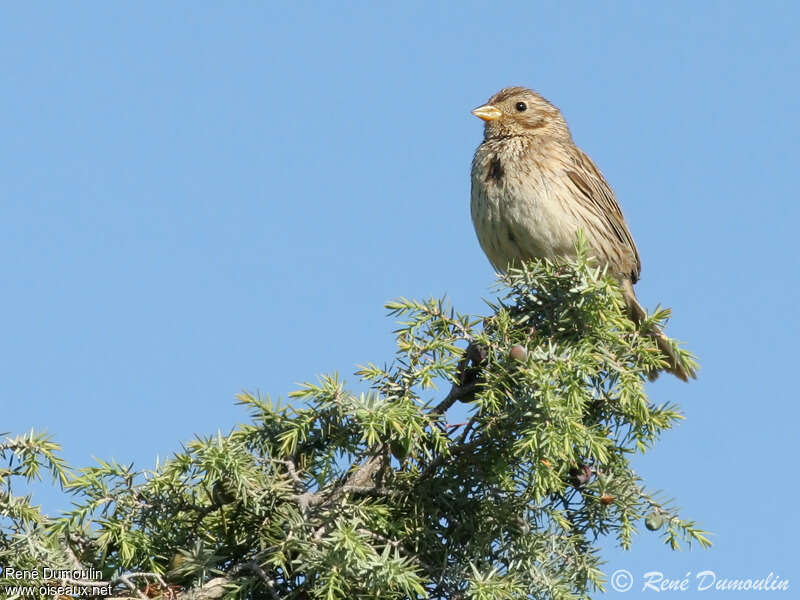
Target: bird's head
[(520, 111)]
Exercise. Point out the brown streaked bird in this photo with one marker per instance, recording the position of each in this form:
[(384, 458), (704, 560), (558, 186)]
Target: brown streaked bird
[(533, 189)]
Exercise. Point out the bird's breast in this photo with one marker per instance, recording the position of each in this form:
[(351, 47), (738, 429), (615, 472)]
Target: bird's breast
[(517, 204)]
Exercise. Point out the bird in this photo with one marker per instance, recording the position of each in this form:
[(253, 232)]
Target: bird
[(534, 189)]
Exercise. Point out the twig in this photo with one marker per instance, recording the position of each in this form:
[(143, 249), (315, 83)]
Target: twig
[(210, 590), (457, 392), (467, 377), (442, 458), (255, 568), (129, 584)]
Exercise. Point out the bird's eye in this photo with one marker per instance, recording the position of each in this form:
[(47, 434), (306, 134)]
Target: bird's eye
[(521, 106)]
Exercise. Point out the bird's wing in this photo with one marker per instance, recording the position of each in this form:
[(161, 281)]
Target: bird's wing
[(589, 184)]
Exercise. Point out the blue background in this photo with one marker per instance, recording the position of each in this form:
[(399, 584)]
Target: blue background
[(197, 199)]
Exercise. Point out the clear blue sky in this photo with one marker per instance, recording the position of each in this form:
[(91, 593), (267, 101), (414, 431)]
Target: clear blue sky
[(198, 199)]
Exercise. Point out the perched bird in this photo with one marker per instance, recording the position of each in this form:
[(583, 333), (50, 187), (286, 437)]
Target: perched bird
[(533, 189)]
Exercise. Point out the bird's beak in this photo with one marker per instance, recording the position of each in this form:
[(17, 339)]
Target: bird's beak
[(487, 112)]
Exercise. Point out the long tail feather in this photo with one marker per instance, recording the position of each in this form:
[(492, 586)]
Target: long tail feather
[(667, 347)]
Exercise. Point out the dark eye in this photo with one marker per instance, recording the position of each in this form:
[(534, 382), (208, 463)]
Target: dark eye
[(521, 106)]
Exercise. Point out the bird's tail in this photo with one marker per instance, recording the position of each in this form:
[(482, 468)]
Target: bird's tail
[(667, 347)]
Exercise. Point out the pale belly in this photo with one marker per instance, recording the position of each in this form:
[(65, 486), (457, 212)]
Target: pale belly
[(522, 220)]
